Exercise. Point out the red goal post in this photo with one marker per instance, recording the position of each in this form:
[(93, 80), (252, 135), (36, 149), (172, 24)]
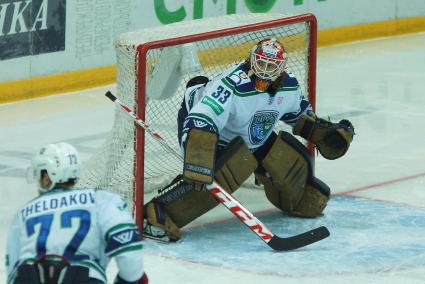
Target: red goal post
[(153, 66)]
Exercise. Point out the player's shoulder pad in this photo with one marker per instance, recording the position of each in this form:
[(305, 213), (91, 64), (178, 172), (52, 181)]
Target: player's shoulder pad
[(289, 80), (104, 197), (236, 76), (52, 192)]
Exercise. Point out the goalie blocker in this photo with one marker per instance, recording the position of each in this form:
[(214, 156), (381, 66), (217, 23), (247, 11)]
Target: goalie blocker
[(285, 170)]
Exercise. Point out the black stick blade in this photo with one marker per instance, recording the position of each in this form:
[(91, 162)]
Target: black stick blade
[(298, 241), (110, 96)]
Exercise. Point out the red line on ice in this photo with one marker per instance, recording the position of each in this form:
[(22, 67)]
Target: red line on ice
[(380, 184)]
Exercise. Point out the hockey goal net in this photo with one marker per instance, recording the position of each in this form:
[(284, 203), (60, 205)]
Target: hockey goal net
[(153, 67)]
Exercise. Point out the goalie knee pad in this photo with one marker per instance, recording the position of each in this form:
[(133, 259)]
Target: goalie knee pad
[(311, 204), (314, 199), (235, 163), (199, 158), (288, 178), (288, 170)]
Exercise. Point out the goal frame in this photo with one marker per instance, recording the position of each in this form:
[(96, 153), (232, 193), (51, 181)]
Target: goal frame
[(141, 72)]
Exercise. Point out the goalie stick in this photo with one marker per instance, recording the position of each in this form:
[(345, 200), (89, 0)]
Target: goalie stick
[(222, 196)]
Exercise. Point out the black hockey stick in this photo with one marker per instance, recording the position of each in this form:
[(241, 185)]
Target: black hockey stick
[(243, 214)]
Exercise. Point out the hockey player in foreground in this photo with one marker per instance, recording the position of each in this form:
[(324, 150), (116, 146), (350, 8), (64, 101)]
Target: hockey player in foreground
[(67, 235), (225, 129)]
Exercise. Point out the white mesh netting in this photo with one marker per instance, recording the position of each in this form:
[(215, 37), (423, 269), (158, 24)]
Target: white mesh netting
[(168, 70)]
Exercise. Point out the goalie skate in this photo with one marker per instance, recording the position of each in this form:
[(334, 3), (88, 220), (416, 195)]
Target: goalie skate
[(155, 233)]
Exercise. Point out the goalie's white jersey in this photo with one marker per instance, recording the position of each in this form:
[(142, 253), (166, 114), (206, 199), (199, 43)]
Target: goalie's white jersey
[(86, 226), (230, 106)]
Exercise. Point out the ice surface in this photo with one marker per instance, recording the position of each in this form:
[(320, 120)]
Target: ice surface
[(367, 236), (377, 230)]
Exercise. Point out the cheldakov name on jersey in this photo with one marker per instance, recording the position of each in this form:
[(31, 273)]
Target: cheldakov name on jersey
[(230, 106), (87, 227), (55, 202)]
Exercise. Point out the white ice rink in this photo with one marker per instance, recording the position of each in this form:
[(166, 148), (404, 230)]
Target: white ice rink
[(377, 213)]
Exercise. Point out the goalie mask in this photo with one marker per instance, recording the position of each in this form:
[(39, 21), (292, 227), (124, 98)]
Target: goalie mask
[(60, 161), (267, 62)]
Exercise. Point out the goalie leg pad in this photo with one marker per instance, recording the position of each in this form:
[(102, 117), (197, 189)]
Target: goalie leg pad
[(288, 170), (235, 163), (272, 193), (157, 216), (182, 204), (199, 160), (314, 200), (308, 197)]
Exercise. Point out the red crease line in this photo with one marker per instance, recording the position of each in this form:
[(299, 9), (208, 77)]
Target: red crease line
[(380, 184)]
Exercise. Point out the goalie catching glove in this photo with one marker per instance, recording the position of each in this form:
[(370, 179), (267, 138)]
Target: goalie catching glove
[(331, 139)]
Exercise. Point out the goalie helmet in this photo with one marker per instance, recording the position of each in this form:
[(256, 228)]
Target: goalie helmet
[(267, 62), (60, 161)]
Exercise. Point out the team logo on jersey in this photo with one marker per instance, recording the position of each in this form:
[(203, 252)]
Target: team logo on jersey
[(124, 237), (239, 78), (261, 125), (199, 123)]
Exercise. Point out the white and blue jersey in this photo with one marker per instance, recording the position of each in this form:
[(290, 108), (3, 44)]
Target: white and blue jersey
[(230, 106), (87, 227)]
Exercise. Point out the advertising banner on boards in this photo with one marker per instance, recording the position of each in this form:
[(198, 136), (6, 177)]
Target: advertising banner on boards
[(31, 27)]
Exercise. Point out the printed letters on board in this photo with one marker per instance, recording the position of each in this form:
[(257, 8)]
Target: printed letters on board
[(31, 27)]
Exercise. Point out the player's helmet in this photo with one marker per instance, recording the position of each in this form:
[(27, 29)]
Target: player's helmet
[(268, 59), (61, 161)]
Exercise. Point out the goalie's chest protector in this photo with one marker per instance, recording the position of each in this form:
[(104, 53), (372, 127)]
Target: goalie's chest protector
[(237, 109)]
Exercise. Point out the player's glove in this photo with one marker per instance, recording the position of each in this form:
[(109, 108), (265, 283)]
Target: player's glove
[(331, 139)]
